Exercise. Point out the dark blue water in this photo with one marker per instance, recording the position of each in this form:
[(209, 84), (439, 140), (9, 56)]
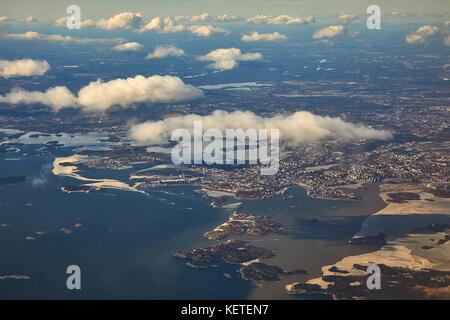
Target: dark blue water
[(123, 241), (123, 246)]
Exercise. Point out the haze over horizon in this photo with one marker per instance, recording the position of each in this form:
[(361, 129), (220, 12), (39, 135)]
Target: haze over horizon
[(51, 9)]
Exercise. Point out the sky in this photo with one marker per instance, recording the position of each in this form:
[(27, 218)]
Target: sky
[(51, 9)]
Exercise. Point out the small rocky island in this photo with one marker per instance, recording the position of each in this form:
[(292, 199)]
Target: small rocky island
[(241, 223), (82, 188), (239, 252), (258, 271), (231, 251)]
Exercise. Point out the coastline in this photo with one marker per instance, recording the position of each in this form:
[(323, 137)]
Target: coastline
[(310, 250), (416, 232), (97, 184)]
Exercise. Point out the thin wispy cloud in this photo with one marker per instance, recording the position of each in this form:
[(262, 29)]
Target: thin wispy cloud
[(227, 18), (206, 17), (281, 19), (36, 36), (42, 178)]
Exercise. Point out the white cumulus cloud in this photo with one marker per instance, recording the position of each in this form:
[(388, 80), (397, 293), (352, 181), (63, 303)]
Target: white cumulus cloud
[(128, 46), (227, 18), (56, 97), (226, 59), (347, 17), (62, 22), (5, 19), (124, 20), (195, 18), (296, 128), (207, 30), (166, 25), (422, 34), (165, 51), (329, 32), (255, 36), (30, 19), (23, 67), (154, 24), (201, 17), (281, 19), (100, 96)]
